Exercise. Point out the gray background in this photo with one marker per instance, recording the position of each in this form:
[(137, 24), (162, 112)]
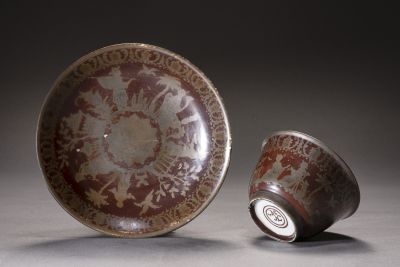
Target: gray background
[(328, 69)]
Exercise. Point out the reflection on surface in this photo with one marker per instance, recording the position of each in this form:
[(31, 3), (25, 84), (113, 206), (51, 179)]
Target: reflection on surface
[(323, 243)]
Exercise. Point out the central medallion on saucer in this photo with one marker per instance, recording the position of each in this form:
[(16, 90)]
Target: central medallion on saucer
[(132, 140)]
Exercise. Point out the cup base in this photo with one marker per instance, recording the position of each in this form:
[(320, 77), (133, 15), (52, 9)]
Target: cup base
[(274, 218)]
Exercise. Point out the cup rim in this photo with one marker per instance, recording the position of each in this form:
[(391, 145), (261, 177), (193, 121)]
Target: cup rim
[(327, 149)]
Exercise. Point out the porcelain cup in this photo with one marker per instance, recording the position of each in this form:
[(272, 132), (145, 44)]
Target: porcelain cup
[(300, 187)]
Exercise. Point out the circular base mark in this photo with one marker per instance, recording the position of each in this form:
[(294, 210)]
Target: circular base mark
[(274, 218)]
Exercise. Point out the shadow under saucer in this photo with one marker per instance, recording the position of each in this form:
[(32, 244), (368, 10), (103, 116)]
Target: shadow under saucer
[(99, 245), (323, 243)]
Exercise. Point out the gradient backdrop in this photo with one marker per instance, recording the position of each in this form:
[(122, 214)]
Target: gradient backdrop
[(326, 68)]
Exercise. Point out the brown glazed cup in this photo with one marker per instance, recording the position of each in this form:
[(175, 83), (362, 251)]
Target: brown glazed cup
[(300, 187)]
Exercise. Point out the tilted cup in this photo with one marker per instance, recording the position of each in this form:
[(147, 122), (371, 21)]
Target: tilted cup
[(300, 187)]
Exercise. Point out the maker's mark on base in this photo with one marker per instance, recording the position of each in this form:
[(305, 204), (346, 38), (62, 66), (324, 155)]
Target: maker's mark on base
[(275, 216)]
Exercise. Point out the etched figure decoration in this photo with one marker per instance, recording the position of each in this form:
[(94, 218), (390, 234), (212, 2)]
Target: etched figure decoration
[(127, 140), (130, 130), (300, 187), (306, 172)]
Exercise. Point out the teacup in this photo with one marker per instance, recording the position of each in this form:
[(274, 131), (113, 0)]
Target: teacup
[(300, 187)]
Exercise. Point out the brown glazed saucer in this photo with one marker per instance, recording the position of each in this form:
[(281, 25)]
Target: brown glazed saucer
[(133, 140)]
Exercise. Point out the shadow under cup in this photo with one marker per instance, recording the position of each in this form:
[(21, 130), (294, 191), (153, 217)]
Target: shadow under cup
[(300, 187)]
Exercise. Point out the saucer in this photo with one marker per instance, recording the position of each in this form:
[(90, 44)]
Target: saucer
[(133, 140)]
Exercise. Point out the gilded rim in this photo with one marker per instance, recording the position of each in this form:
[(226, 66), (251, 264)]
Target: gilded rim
[(227, 148)]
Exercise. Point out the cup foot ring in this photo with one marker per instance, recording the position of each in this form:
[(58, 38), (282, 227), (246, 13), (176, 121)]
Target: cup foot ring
[(273, 219)]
